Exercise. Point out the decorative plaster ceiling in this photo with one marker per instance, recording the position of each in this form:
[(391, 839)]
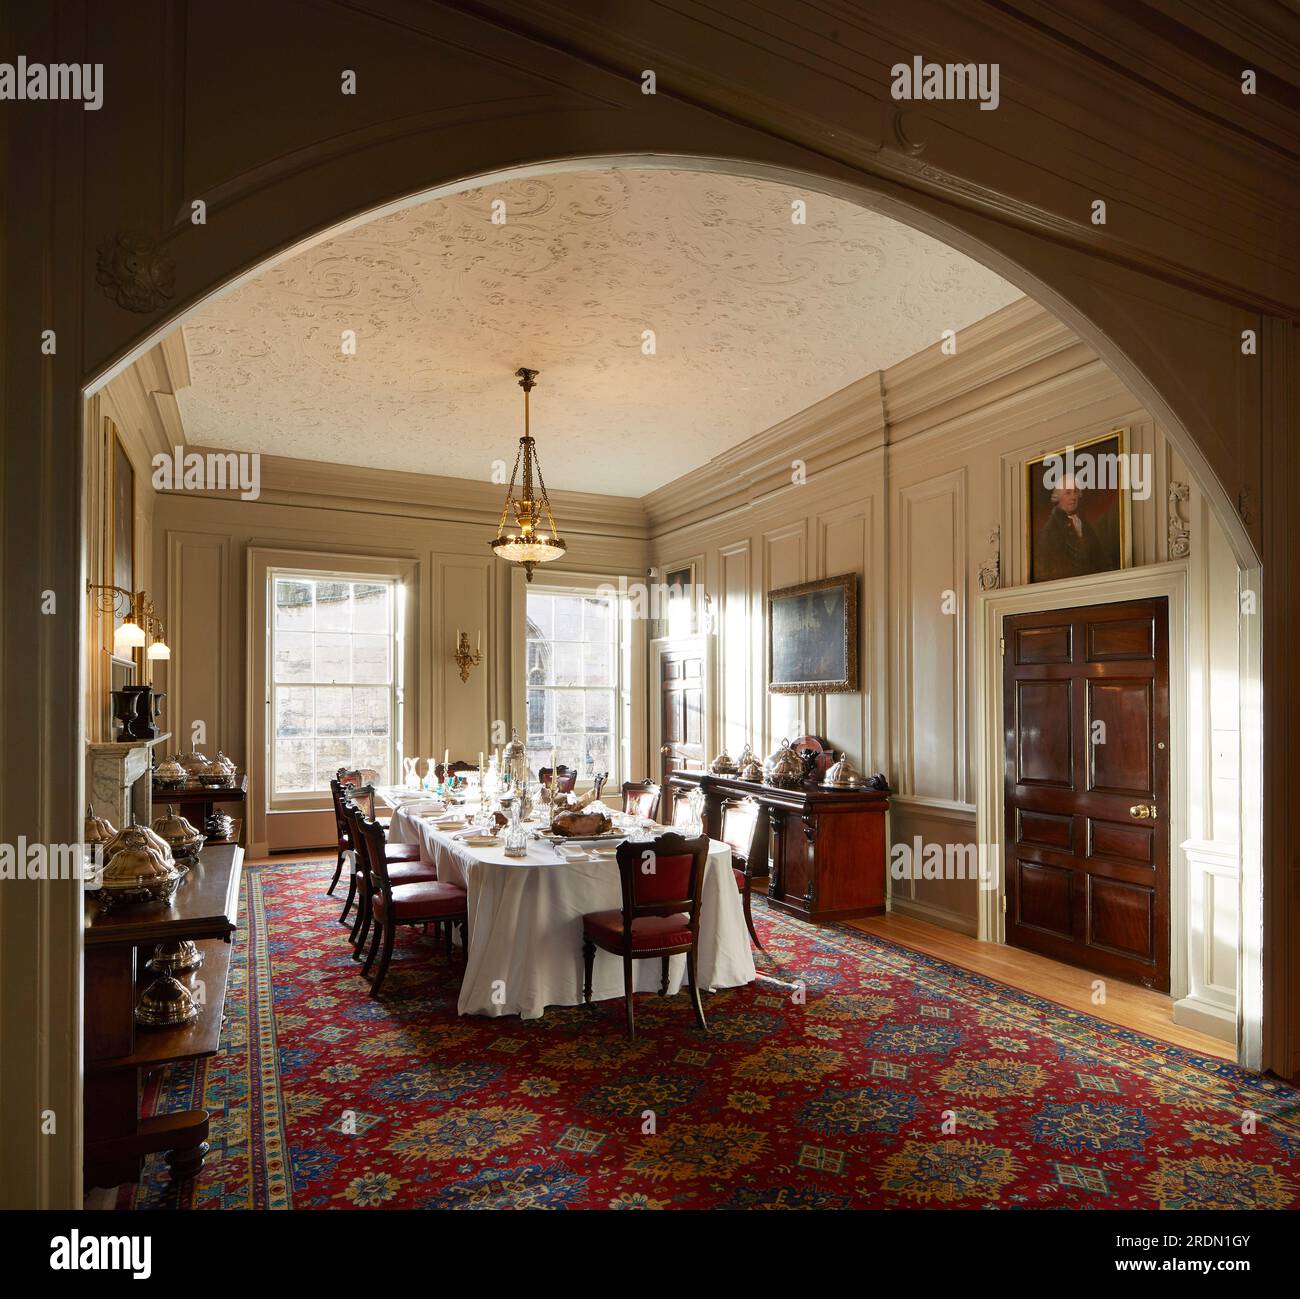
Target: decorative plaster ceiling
[(755, 317)]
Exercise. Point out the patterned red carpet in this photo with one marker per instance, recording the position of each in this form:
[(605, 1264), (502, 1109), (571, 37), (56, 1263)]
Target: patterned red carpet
[(900, 1082)]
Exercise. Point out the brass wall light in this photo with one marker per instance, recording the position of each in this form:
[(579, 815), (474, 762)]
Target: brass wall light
[(463, 658), (140, 624)]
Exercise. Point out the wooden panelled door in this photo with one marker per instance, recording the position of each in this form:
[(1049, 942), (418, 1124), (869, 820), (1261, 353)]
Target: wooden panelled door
[(681, 716), (1086, 708)]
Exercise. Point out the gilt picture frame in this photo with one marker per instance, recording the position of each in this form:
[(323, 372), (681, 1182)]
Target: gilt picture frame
[(1087, 531), (121, 521), (812, 637)]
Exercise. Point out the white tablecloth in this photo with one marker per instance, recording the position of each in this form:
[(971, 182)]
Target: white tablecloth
[(525, 924)]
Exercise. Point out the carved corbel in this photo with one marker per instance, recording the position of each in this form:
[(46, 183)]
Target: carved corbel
[(1180, 536), (990, 574)]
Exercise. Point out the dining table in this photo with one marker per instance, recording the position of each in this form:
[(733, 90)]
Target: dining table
[(525, 915)]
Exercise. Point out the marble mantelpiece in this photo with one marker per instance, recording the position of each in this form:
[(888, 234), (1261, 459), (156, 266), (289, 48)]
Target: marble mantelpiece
[(114, 787)]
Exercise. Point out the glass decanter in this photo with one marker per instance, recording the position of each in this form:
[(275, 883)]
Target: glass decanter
[(516, 834)]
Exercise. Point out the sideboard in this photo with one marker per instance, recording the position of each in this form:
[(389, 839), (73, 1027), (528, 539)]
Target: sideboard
[(826, 846), (120, 1054)]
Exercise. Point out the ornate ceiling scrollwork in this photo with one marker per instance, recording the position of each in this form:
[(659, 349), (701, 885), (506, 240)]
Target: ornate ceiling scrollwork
[(674, 314)]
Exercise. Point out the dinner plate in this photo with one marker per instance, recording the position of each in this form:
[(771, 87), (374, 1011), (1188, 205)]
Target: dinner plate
[(479, 840)]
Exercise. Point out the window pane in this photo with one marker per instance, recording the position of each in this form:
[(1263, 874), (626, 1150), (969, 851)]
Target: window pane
[(599, 616), (568, 712), (370, 658), (567, 669), (541, 616), (334, 711), (330, 756), (370, 708), (600, 753), (293, 605), (333, 606), (600, 710), (293, 767), (536, 724), (293, 656), (294, 712), (370, 607), (372, 752), (568, 617), (539, 663), (598, 664), (333, 657)]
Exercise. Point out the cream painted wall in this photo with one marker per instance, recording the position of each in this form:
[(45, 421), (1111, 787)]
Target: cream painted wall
[(908, 475)]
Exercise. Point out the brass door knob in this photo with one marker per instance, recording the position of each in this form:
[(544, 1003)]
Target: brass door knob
[(1143, 811), (666, 750)]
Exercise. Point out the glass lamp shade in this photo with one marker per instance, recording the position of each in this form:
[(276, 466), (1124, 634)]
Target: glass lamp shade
[(158, 650), (538, 549), (129, 635)]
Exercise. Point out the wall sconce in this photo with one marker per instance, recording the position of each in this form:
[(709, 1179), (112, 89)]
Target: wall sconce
[(463, 659), (140, 622)]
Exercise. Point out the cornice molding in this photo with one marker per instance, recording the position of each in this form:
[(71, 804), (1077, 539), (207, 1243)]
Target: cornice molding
[(1006, 365), (355, 489)]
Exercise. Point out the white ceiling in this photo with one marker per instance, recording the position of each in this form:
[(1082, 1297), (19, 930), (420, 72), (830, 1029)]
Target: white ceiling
[(755, 317)]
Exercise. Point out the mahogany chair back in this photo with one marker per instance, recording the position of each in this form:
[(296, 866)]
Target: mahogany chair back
[(358, 783), (662, 877), (565, 778), (373, 843), (452, 771), (598, 779), (739, 823), (641, 798)]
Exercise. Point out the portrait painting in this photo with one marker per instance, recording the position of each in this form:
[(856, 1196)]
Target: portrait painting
[(1077, 503), (813, 637)]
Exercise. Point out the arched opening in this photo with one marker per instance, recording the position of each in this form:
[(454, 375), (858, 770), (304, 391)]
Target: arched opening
[(1053, 299)]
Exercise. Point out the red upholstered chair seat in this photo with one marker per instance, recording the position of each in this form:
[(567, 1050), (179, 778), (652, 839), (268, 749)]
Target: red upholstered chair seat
[(740, 878), (411, 872), (605, 929), (427, 898), (402, 852)]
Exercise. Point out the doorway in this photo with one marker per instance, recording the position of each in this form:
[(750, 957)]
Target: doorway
[(1086, 786), (681, 679)]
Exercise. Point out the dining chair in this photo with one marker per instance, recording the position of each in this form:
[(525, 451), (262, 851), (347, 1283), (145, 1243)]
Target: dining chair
[(641, 798), (739, 824), (350, 784), (451, 772), (394, 903), (401, 859), (661, 881), (565, 778), (598, 779)]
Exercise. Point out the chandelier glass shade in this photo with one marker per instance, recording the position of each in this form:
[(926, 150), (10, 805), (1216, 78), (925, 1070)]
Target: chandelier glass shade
[(532, 537)]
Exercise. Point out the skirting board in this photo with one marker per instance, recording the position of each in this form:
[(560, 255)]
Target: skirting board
[(1207, 1018), (934, 915)]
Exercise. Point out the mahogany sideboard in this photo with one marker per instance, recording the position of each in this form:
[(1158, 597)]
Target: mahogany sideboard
[(826, 846), (119, 1053)]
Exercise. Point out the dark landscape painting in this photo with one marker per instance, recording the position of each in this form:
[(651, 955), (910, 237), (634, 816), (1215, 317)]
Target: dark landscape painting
[(813, 636)]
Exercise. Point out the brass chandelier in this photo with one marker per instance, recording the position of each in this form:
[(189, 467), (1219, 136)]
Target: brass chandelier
[(533, 537)]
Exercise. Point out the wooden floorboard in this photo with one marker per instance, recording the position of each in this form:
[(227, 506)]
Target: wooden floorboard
[(1129, 1006)]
